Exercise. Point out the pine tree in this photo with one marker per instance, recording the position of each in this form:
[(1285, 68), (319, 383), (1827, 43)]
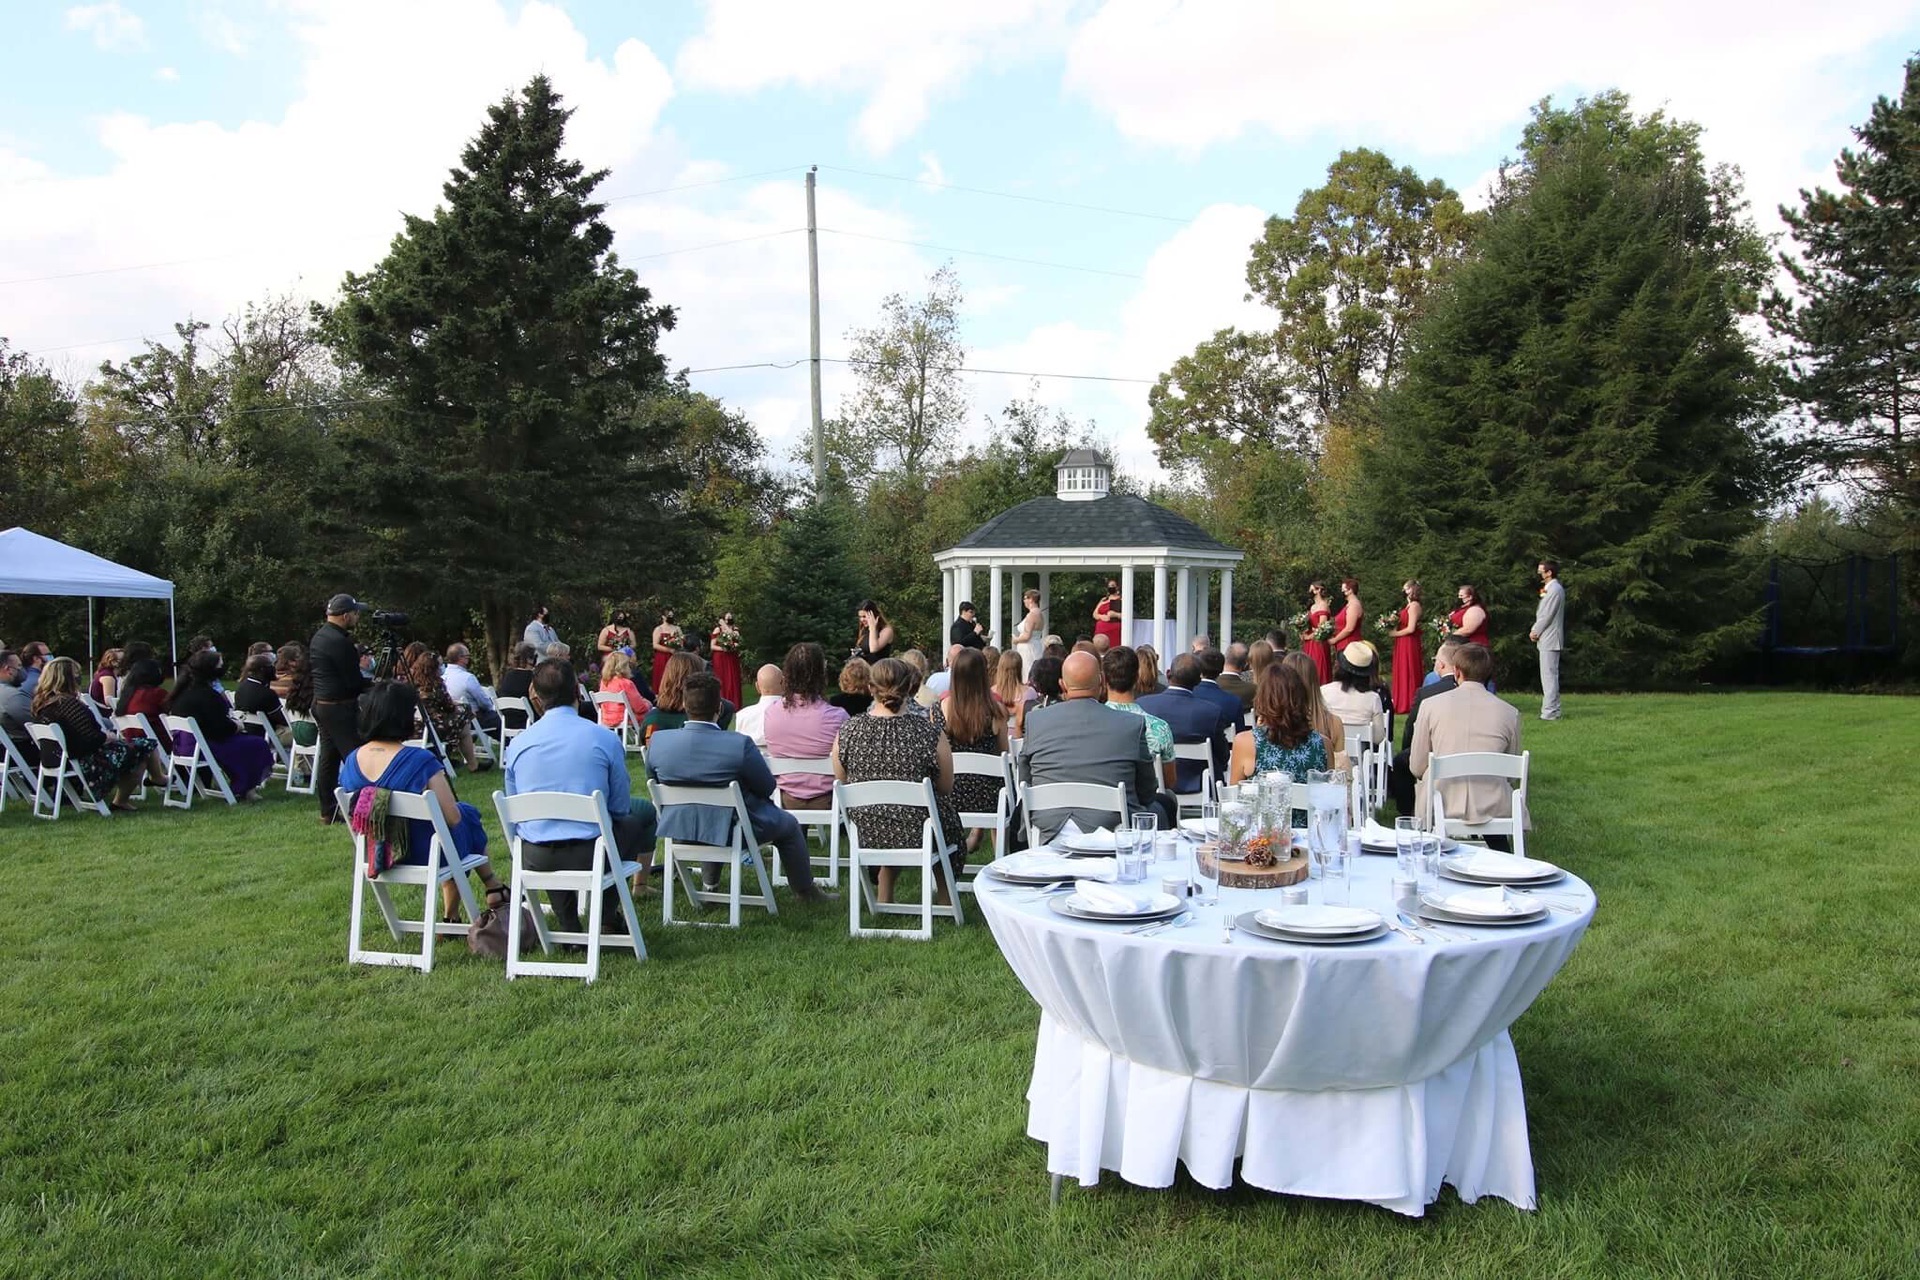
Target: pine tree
[(814, 587), (1581, 390), (512, 350)]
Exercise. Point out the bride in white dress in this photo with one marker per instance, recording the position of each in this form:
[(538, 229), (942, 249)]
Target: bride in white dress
[(1029, 636)]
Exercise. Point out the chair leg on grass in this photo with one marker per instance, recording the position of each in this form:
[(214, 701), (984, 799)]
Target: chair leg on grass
[(1053, 1196)]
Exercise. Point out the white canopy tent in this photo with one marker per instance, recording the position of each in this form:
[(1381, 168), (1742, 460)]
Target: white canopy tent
[(32, 565)]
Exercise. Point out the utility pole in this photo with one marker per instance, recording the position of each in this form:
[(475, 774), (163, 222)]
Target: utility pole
[(813, 334)]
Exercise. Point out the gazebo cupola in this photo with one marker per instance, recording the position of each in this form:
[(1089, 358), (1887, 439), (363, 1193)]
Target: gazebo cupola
[(1081, 476)]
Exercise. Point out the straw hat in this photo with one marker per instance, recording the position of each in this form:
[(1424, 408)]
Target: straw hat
[(1359, 655)]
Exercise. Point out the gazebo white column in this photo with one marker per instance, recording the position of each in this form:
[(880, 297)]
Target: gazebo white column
[(1046, 605), (1126, 603), (1015, 604), (1226, 608), (1202, 588), (996, 579), (1160, 612), (1182, 619), (949, 603)]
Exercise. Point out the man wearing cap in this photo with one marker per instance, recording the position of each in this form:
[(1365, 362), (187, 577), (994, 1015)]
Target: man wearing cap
[(337, 685)]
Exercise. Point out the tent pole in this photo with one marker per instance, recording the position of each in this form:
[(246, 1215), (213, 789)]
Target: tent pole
[(173, 637), (91, 651)]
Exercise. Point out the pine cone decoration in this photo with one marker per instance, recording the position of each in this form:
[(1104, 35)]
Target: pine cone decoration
[(1260, 852)]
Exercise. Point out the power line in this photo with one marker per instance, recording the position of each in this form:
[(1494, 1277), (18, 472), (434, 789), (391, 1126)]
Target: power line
[(1014, 373), (711, 182), (977, 253), (1009, 195), (717, 244)]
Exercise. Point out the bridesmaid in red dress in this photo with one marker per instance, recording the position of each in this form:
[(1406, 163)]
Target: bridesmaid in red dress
[(667, 641), (1352, 617), (1409, 659), (1468, 623), (1318, 612), (1106, 615), (725, 645)]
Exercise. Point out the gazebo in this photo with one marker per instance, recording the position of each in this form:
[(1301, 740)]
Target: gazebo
[(1085, 527)]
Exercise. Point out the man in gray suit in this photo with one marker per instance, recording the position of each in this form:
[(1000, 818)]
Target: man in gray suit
[(1081, 740), (1550, 633)]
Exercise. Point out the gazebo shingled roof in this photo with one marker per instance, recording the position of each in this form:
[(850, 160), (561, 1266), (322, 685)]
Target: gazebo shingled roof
[(1116, 520)]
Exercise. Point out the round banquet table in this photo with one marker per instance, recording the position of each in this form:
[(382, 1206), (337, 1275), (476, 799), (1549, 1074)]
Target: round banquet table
[(1370, 1071)]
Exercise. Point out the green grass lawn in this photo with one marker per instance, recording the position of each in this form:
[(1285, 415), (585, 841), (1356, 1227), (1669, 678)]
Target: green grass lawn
[(1725, 1080)]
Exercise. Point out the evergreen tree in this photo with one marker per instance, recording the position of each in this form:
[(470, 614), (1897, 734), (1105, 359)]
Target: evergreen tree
[(1581, 390), (1853, 332), (813, 586), (513, 352)]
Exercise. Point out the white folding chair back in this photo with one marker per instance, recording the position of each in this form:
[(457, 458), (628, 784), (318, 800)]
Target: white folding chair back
[(999, 819), (139, 723), (628, 724), (62, 781), (848, 797), (428, 739), (810, 820), (509, 708), (1186, 802), (607, 872), (1037, 798), (303, 763), (16, 775), (1481, 764), (194, 772), (443, 864), (684, 859), (282, 759), (484, 747)]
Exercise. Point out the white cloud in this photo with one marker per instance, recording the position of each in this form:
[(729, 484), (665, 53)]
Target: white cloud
[(930, 170), (166, 75), (111, 26), (900, 56), (221, 30)]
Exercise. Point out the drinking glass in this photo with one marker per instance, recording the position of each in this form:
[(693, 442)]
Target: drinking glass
[(1206, 872), (1127, 866), (1427, 862), (1404, 832), (1320, 842), (1337, 879), (1145, 825)]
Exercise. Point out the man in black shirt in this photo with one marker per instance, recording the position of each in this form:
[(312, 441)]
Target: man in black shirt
[(337, 685), (966, 629)]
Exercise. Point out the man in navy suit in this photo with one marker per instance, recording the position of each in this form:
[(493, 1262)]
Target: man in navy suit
[(704, 755), (1192, 719), (1232, 714)]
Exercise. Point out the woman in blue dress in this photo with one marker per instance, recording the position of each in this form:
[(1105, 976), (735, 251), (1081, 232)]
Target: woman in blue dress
[(387, 763), (1283, 736)]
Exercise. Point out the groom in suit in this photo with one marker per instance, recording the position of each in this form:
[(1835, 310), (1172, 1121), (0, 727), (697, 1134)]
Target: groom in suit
[(1550, 633), (705, 755)]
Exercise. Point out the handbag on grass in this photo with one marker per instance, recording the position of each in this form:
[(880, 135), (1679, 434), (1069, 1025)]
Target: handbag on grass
[(487, 936)]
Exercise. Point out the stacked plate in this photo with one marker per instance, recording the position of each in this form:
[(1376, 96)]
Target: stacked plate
[(1375, 838), (1313, 924), (1098, 902), (1088, 844), (1491, 906), (1201, 826), (1042, 867), (1488, 866)]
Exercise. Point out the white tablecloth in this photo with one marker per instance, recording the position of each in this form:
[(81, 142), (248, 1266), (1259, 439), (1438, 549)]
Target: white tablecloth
[(1374, 1071)]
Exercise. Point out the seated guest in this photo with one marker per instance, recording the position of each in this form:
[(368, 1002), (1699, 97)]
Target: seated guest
[(110, 765), (561, 751), (669, 708), (1101, 643), (106, 679), (387, 763), (246, 760), (616, 676), (1152, 679), (293, 685), (1121, 668), (1282, 737), (1212, 664), (938, 682), (1079, 739), (1191, 719), (854, 696), (1233, 676), (889, 745), (518, 677), (1325, 723), (1354, 692), (1468, 718), (917, 661), (769, 684), (451, 722), (803, 725), (700, 753), (34, 656), (973, 720), (16, 708), (1258, 657), (1442, 679), (1276, 638), (1008, 688), (1045, 679), (142, 693), (255, 693), (466, 690)]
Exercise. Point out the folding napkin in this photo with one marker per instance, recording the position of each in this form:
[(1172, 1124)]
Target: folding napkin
[(1493, 901), (1495, 865), (1097, 897), (1313, 917)]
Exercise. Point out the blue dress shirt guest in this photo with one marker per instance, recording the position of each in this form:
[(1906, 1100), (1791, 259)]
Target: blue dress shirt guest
[(562, 751), (702, 754), (1192, 719)]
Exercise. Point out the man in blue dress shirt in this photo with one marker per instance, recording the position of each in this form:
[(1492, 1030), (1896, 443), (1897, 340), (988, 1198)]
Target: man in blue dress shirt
[(561, 751)]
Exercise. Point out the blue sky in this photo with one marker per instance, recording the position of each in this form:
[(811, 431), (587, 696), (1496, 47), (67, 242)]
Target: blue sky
[(231, 151)]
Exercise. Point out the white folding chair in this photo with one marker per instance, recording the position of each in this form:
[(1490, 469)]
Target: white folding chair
[(442, 865), (483, 744), (303, 763), (1480, 764), (185, 774), (999, 819), (139, 723), (282, 758), (1186, 802), (16, 775), (848, 797), (607, 872), (628, 724), (428, 739), (65, 778), (1071, 795), (810, 820), (685, 859)]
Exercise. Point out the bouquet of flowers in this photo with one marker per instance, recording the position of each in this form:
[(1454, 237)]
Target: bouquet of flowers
[(1322, 633), (727, 641), (1387, 623), (1437, 627), (1298, 622)]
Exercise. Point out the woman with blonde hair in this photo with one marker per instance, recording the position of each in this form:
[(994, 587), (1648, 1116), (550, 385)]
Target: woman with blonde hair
[(110, 764), (853, 698), (1007, 683), (670, 697), (616, 676), (1150, 680)]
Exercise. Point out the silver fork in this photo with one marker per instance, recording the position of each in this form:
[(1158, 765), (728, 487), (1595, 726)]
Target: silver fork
[(1413, 923)]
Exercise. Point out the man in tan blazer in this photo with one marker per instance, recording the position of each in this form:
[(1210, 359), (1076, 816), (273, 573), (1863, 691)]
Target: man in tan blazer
[(1468, 719)]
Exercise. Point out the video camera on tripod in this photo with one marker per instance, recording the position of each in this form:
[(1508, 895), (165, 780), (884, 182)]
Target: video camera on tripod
[(387, 655)]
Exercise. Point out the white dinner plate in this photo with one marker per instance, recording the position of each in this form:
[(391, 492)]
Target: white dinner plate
[(1463, 877), (1492, 903), (1500, 868), (1044, 868), (1318, 918), (1200, 826), (1089, 842), (1248, 923), (1163, 906), (1427, 912)]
